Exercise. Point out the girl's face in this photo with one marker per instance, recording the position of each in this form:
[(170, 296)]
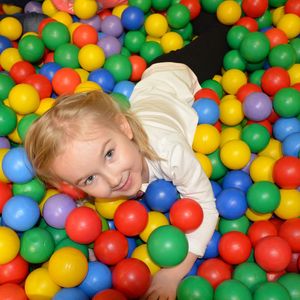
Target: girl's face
[(107, 165)]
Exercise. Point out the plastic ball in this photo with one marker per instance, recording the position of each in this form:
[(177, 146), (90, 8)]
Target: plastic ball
[(161, 245), (294, 74), (31, 48), (8, 120), (231, 112), (49, 69), (289, 231), (205, 163), (151, 50), (291, 282), (131, 277), (171, 41), (84, 34), (286, 102), (21, 70), (237, 179), (70, 293), (289, 204), (232, 289), (206, 139), (124, 87), (66, 55), (41, 83), (65, 81), (109, 294), (104, 78), (9, 291), (283, 127), (5, 194), (229, 12), (207, 110), (9, 245), (6, 84), (178, 15), (240, 224), (156, 25), (132, 18), (11, 28), (212, 249), (139, 65), (261, 168), (85, 9), (119, 66), (91, 57), (112, 25), (283, 56), (4, 43), (232, 80), (110, 45), (9, 57), (290, 25)]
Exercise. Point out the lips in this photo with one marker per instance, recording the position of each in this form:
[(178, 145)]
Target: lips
[(126, 185)]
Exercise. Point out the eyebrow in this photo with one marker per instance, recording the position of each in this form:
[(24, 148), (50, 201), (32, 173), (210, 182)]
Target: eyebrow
[(101, 151)]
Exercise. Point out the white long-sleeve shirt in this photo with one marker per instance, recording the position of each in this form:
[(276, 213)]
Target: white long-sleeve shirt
[(162, 101)]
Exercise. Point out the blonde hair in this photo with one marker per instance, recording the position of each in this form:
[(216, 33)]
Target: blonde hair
[(70, 117)]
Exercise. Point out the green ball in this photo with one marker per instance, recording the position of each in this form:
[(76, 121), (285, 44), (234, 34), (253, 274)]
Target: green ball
[(125, 52), (195, 288), (286, 102), (271, 290), (57, 234), (255, 77), (69, 243), (218, 168), (35, 189), (66, 55), (167, 246), (283, 56), (37, 245), (256, 136), (291, 281), (186, 32), (213, 85), (255, 47), (134, 40), (232, 290), (8, 120), (295, 43), (241, 224), (161, 5), (119, 66), (31, 48), (251, 67), (144, 5), (210, 6), (24, 125), (55, 34), (6, 84), (276, 3), (178, 16), (151, 50), (122, 100), (250, 274), (233, 60), (263, 197), (265, 20), (235, 36)]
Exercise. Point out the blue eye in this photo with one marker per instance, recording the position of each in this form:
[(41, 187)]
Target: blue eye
[(109, 154), (89, 180)]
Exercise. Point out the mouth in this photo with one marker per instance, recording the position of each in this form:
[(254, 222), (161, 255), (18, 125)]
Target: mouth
[(125, 186)]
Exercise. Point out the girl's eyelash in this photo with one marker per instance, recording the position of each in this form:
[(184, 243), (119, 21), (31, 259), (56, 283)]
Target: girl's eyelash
[(109, 153), (89, 180)]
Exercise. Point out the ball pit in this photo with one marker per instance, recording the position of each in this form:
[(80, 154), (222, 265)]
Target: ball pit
[(247, 141)]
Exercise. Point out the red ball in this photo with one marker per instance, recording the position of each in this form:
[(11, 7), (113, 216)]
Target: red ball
[(215, 271), (49, 57), (65, 80), (274, 276), (131, 218), (296, 86), (12, 291), (131, 277), (273, 117), (5, 194), (266, 123), (41, 83), (109, 294), (84, 34), (246, 90), (234, 247), (254, 8), (292, 7), (293, 264), (248, 22), (111, 247), (261, 229), (21, 70), (286, 172), (274, 79), (71, 190), (43, 23), (103, 13), (14, 271), (272, 253), (83, 225), (276, 37), (139, 65), (207, 93), (186, 214), (193, 6), (290, 231)]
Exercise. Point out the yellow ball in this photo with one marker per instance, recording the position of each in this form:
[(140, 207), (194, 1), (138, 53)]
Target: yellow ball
[(235, 154), (10, 9), (48, 8), (68, 267), (290, 24), (289, 206), (150, 38), (107, 208), (45, 105), (11, 28), (83, 74), (229, 134), (87, 86), (49, 193), (72, 28), (9, 244), (231, 112), (206, 139), (255, 216), (273, 149), (261, 169), (228, 97), (217, 78), (3, 178), (294, 73), (141, 253), (14, 136), (205, 163), (277, 14), (171, 41), (24, 99), (39, 285), (156, 25), (9, 57), (229, 12), (85, 9), (155, 220), (233, 79), (91, 57), (63, 17), (118, 10)]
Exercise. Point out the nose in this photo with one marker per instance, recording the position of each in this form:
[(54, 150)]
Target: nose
[(112, 179)]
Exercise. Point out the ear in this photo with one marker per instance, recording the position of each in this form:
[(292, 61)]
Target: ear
[(124, 126)]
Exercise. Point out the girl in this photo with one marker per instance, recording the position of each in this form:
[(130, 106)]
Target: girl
[(90, 142)]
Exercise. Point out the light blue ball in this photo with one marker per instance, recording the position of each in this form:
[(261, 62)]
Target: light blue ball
[(291, 145), (207, 110), (74, 293)]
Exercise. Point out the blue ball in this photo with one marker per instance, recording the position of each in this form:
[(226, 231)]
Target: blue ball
[(74, 293), (124, 87), (131, 245), (212, 249), (49, 69), (231, 203), (104, 78), (132, 18), (237, 179), (283, 127), (160, 195), (4, 43), (291, 145), (208, 111), (16, 166), (98, 278), (20, 213), (216, 188)]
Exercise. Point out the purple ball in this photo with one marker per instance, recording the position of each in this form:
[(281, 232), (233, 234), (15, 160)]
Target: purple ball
[(33, 6), (112, 26), (56, 210), (4, 143), (94, 21), (110, 45), (257, 106), (247, 167)]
